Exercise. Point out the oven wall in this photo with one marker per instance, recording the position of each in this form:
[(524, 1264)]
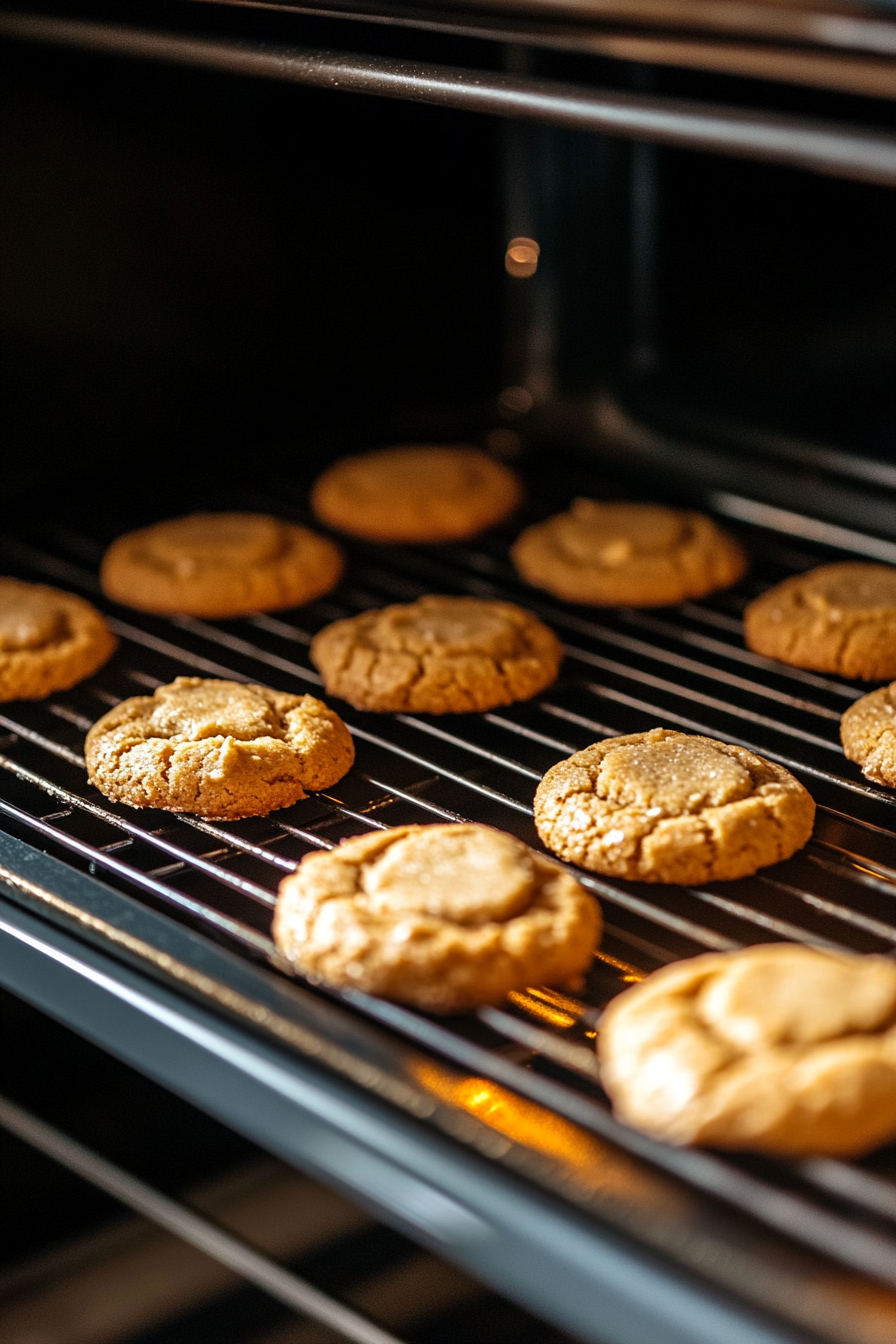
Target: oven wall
[(197, 265)]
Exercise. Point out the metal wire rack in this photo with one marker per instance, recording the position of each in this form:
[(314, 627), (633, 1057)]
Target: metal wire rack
[(625, 671)]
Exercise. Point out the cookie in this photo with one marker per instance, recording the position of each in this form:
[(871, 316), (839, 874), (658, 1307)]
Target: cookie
[(668, 807), (49, 640), (217, 748), (439, 655), (416, 494), (838, 618), (219, 565), (633, 555), (868, 734), (443, 917), (779, 1049)]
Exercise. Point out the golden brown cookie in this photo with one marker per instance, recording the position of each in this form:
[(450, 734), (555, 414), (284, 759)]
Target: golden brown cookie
[(49, 640), (838, 618), (868, 734), (635, 555), (444, 917), (668, 807), (779, 1049), (416, 494), (218, 748), (219, 565), (439, 655)]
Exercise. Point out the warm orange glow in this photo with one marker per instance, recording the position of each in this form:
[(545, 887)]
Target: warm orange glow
[(583, 1158), (521, 258), (544, 1012), (558, 1000), (630, 974), (522, 1121)]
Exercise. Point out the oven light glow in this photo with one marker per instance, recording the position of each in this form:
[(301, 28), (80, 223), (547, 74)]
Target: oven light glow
[(521, 258)]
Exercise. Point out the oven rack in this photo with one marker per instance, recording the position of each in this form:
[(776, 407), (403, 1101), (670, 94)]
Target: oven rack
[(625, 671), (839, 148)]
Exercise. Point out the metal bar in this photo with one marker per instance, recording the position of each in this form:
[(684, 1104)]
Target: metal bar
[(709, 701), (191, 1227), (607, 693), (838, 150), (782, 927), (210, 632), (725, 650), (801, 525), (686, 664), (846, 71), (236, 841), (222, 923), (504, 761), (832, 908), (241, 884)]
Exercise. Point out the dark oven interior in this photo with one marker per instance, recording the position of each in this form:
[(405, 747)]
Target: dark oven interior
[(216, 283)]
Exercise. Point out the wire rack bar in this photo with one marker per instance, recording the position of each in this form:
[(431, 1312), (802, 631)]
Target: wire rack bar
[(861, 153)]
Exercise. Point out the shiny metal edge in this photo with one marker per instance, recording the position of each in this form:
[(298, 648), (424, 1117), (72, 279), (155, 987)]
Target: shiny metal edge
[(855, 153), (845, 25), (869, 73)]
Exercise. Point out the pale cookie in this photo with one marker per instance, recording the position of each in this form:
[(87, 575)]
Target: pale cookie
[(217, 748), (667, 807), (634, 555), (778, 1049), (49, 640), (220, 565), (439, 655), (444, 917), (416, 494), (838, 618), (868, 734)]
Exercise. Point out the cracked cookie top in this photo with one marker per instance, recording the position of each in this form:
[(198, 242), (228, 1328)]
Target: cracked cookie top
[(446, 917), (49, 640), (439, 655), (837, 618), (868, 734), (416, 493), (219, 565), (217, 748), (641, 555), (778, 1048), (664, 806)]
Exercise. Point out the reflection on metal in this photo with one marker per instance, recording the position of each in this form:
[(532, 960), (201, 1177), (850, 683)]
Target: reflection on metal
[(630, 974), (849, 55), (823, 147), (584, 1163), (547, 1006), (798, 525)]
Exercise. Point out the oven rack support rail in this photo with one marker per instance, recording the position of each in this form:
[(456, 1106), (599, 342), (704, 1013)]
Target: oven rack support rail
[(839, 150), (195, 1228), (601, 1286)]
